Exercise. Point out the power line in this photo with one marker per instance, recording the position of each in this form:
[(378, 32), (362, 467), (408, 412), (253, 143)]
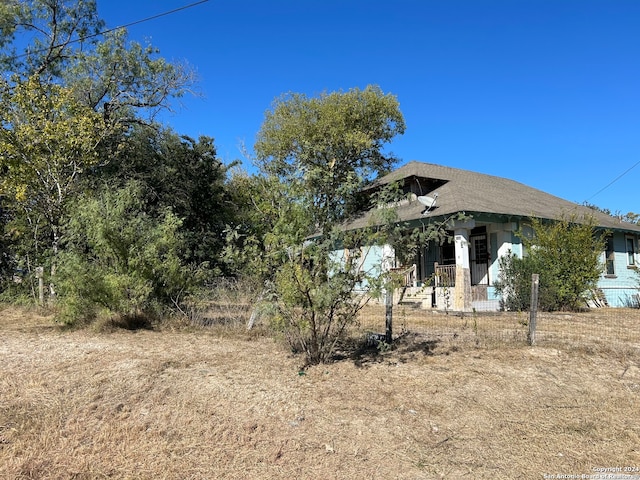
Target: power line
[(153, 17), (614, 180), (81, 39)]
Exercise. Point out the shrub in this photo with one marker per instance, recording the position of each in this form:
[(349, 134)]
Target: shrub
[(120, 261), (315, 307), (566, 255)]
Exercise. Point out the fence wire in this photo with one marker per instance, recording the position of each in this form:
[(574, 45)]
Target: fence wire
[(231, 302), (597, 328)]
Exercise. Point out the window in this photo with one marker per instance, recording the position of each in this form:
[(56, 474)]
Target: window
[(609, 256), (448, 253), (631, 251)]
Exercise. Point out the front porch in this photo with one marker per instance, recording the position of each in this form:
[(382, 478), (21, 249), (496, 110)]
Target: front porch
[(440, 294), (453, 276)]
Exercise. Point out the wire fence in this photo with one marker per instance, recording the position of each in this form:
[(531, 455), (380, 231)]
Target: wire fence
[(598, 328), (617, 292)]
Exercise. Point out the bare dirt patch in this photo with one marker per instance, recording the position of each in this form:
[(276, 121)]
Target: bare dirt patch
[(209, 403)]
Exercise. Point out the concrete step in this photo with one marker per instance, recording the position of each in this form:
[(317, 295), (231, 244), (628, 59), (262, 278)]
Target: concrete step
[(418, 292), (486, 305)]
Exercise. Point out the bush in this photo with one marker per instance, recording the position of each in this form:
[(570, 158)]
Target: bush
[(315, 308), (566, 255), (119, 261), (515, 275)]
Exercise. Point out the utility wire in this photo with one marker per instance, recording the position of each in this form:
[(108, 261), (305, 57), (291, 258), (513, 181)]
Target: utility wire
[(614, 180), (81, 39)]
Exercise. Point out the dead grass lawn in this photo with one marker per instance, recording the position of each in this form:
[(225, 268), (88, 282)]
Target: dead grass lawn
[(216, 403)]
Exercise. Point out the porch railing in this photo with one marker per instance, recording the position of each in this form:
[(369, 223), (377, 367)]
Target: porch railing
[(409, 274), (445, 275)]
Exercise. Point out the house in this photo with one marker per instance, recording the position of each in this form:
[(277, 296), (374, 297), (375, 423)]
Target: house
[(460, 275)]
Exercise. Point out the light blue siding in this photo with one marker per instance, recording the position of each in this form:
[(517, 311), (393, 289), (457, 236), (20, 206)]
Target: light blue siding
[(621, 288), (372, 261)]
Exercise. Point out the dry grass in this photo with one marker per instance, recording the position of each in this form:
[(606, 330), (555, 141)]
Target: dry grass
[(217, 403)]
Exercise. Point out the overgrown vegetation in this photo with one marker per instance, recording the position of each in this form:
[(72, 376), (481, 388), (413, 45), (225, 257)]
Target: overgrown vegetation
[(315, 156), (120, 260), (565, 253), (129, 220), (123, 216)]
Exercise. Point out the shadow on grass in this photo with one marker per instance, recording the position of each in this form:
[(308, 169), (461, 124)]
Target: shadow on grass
[(372, 349), (125, 322)]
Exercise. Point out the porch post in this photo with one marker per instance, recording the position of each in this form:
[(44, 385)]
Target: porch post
[(462, 296)]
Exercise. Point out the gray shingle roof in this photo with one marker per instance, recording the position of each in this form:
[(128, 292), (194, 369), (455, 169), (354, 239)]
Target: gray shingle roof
[(471, 192)]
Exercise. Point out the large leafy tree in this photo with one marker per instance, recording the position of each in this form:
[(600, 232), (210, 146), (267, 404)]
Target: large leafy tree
[(124, 80), (127, 81), (328, 147), (182, 174), (47, 139), (315, 156), (70, 98), (57, 31)]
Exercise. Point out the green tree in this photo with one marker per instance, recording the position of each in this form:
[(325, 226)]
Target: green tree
[(327, 148), (70, 97), (566, 254), (47, 139), (55, 29), (184, 175), (316, 155), (265, 219), (60, 42), (126, 81), (121, 261)]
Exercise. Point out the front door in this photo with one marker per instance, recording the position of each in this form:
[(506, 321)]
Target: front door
[(479, 259)]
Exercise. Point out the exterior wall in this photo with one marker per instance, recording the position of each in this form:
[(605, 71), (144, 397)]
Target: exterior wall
[(373, 260), (621, 288)]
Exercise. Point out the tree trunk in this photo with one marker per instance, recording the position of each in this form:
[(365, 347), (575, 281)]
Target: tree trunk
[(54, 250)]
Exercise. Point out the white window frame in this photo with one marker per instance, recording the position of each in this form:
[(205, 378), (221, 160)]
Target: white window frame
[(631, 253)]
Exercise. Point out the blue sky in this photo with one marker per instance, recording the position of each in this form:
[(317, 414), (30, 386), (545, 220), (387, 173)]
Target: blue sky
[(544, 92)]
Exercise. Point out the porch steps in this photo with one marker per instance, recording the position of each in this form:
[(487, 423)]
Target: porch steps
[(417, 297), (421, 297), (485, 305)]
